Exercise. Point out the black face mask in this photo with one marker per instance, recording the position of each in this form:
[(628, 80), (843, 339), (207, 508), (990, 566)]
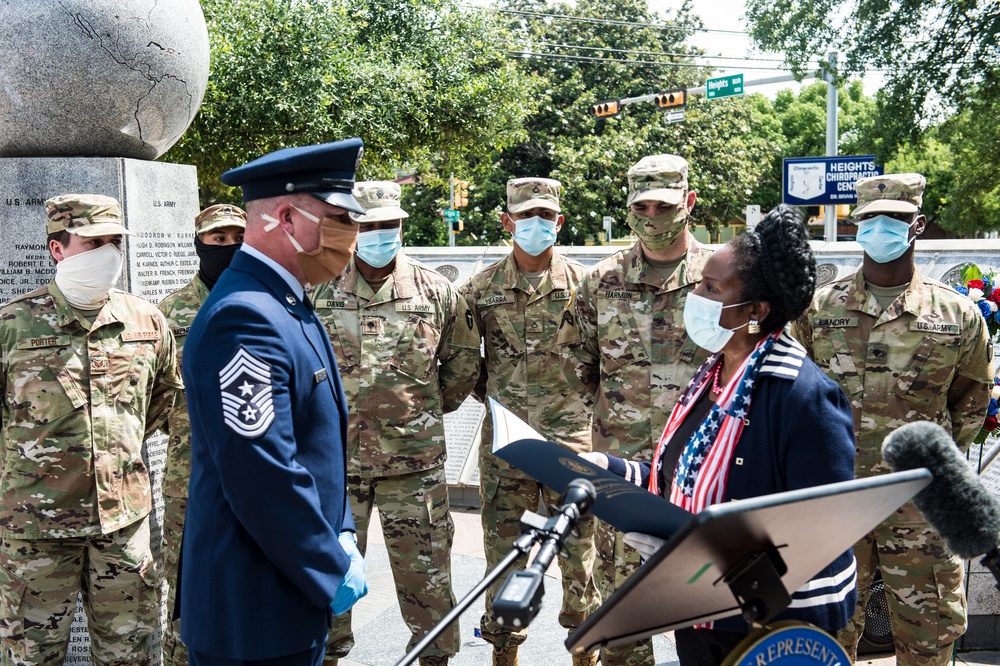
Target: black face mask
[(213, 259)]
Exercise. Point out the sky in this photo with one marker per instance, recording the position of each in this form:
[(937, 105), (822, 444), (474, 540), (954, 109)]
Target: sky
[(727, 15)]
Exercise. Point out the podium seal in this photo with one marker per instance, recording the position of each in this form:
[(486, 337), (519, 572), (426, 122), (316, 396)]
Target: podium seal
[(788, 643)]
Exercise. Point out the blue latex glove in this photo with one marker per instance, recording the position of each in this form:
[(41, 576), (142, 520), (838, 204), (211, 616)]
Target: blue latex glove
[(354, 585)]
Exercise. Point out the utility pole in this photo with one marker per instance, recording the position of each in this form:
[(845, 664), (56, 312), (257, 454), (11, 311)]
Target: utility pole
[(451, 205), (830, 222)]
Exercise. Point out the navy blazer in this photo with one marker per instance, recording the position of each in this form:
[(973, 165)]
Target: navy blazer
[(267, 498), (800, 434)]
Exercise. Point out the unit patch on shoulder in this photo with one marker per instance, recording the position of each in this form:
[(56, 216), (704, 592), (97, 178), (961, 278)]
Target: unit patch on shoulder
[(245, 386)]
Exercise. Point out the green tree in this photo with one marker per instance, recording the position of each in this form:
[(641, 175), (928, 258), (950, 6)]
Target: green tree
[(413, 78), (933, 52), (590, 51), (730, 146), (802, 119), (958, 158)]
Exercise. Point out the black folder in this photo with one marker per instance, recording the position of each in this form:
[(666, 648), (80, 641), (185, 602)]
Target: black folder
[(630, 508), (684, 583)]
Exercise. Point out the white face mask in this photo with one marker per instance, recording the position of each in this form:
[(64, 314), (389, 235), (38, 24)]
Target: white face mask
[(701, 320), (86, 278)]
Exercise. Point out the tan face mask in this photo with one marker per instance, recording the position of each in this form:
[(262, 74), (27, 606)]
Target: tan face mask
[(336, 246), (660, 231)]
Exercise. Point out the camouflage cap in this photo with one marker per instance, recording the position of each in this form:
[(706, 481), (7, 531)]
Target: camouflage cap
[(85, 215), (220, 215), (891, 193), (658, 178), (380, 199), (528, 193)]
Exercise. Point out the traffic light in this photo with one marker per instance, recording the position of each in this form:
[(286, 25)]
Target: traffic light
[(461, 193), (671, 98), (606, 108)]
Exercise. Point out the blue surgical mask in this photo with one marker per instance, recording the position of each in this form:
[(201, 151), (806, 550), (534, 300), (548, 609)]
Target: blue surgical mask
[(377, 248), (701, 320), (884, 238), (534, 235)]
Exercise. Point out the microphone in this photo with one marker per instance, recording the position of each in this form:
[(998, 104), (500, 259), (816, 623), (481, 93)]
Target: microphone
[(575, 501), (956, 503), (519, 600)]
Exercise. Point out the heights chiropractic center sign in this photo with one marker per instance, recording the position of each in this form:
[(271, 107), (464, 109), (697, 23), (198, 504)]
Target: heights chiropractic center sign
[(816, 181)]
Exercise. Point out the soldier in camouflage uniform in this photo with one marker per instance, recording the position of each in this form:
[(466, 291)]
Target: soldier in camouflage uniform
[(218, 234), (624, 346), (518, 303), (903, 347), (408, 350), (88, 372)]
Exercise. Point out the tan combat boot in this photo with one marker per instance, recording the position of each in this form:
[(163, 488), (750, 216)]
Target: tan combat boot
[(585, 659), (434, 661), (505, 656)]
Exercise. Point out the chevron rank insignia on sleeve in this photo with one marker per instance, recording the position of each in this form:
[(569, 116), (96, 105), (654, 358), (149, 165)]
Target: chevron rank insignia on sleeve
[(245, 385)]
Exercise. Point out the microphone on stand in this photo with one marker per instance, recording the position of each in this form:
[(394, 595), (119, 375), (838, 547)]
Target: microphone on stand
[(956, 503), (519, 600)]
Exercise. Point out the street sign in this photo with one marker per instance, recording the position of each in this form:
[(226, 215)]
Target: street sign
[(724, 86), (675, 116), (451, 215), (815, 181), (753, 217)]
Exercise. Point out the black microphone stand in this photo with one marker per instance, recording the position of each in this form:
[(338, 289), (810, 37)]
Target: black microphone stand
[(552, 532)]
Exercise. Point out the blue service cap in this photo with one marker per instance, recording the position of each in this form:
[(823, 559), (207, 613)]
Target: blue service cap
[(325, 171)]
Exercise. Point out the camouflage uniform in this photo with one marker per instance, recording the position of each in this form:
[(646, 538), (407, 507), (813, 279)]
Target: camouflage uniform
[(519, 324), (79, 399), (407, 355), (625, 350), (180, 309), (896, 366)]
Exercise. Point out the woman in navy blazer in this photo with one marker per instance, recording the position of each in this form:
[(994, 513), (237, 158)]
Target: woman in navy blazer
[(758, 417)]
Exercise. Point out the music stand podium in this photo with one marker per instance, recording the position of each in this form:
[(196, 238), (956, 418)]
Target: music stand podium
[(728, 550)]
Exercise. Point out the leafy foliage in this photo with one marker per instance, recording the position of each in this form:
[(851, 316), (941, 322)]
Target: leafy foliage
[(731, 145), (934, 52), (958, 158), (412, 78)]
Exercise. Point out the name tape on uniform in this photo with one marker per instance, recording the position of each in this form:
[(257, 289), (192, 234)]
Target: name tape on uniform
[(336, 304), (425, 308), (935, 327), (619, 295), (496, 299)]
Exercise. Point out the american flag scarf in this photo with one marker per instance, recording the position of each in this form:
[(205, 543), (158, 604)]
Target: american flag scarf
[(703, 469)]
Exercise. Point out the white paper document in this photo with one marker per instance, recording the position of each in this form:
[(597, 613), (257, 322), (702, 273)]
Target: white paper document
[(508, 427)]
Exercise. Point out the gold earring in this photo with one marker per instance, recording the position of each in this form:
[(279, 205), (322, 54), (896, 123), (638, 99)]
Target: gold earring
[(753, 327)]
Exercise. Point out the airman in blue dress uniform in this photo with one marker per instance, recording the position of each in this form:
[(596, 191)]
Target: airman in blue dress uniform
[(269, 550)]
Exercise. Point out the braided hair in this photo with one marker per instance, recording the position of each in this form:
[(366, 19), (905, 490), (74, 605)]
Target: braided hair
[(776, 264)]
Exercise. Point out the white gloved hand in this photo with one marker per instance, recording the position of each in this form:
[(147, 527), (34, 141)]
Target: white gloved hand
[(599, 459), (646, 544)]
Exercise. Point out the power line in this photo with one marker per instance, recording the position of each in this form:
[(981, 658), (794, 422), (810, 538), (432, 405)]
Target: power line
[(664, 54), (629, 24), (573, 58)]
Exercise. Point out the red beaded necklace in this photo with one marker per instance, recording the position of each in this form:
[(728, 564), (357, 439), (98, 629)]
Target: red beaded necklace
[(715, 379)]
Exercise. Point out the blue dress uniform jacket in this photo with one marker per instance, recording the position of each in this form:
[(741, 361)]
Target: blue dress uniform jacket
[(267, 500)]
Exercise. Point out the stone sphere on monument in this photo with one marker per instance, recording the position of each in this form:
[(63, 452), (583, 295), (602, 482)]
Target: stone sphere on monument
[(99, 78)]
